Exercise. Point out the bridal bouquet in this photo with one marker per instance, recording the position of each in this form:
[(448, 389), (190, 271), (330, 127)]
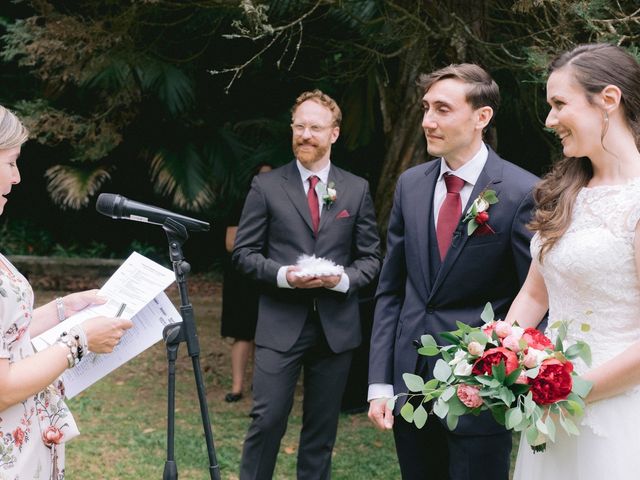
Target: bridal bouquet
[(526, 381)]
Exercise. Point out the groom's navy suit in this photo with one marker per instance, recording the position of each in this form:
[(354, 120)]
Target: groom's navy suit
[(312, 328), (418, 294)]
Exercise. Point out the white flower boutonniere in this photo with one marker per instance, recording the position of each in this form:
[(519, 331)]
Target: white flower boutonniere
[(330, 195), (477, 216)]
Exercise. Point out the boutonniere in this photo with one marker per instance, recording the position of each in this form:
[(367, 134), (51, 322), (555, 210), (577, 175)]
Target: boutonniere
[(477, 216), (330, 195)]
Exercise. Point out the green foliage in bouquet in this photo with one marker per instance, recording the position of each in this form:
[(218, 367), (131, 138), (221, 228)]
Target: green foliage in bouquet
[(525, 380)]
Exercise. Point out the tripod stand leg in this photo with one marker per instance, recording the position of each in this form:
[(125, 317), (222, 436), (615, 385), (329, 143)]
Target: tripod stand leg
[(172, 335)]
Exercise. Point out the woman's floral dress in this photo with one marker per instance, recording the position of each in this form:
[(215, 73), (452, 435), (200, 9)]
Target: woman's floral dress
[(32, 432)]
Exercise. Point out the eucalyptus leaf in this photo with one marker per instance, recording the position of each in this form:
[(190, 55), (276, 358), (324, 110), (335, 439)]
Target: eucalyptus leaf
[(513, 418), (531, 435), (431, 384), (551, 428), (490, 196), (429, 351), (456, 407), (585, 327), (407, 412), (452, 421), (441, 408), (414, 383), (420, 416), (442, 371), (471, 226), (450, 337), (569, 426), (581, 386), (428, 341), (487, 314), (448, 393), (541, 426), (479, 337)]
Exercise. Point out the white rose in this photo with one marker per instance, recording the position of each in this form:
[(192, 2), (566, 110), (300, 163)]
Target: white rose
[(481, 205), (463, 369), (517, 332), (458, 357)]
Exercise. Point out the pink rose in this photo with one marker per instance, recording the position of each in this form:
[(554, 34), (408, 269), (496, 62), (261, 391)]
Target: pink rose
[(522, 379), (531, 358), (488, 328), (475, 349), (52, 435), (503, 329), (511, 343), (469, 395)]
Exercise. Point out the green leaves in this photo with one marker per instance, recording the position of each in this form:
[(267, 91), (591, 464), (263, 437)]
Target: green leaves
[(442, 371), (414, 383), (487, 314), (429, 346)]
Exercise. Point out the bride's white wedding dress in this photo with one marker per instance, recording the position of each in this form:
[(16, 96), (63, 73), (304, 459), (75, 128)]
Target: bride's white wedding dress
[(591, 277)]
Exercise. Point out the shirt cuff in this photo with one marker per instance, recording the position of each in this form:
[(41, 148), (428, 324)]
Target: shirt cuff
[(282, 278), (343, 284), (379, 390)]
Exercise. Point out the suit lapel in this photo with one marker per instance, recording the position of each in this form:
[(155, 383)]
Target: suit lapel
[(424, 197), (328, 213), (490, 178), (292, 185)]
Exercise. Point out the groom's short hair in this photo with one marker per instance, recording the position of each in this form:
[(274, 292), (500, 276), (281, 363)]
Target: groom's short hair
[(484, 91)]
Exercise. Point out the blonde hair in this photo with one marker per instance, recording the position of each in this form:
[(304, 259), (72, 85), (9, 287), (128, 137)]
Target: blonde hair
[(323, 99), (12, 132)]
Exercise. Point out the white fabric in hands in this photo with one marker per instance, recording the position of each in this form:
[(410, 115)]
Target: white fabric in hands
[(591, 278), (312, 266)]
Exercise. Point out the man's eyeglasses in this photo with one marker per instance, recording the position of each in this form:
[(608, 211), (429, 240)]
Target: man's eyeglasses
[(315, 130)]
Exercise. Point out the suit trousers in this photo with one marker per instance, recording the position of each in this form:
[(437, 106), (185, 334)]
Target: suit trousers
[(434, 453), (274, 382)]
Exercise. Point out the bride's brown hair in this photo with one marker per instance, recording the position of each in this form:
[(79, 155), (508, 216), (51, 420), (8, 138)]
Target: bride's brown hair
[(594, 66)]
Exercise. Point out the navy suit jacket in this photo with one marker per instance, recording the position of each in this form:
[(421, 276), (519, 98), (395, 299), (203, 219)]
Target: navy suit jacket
[(275, 229), (418, 294)]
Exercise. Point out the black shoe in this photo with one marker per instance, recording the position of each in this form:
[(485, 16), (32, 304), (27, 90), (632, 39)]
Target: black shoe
[(232, 397)]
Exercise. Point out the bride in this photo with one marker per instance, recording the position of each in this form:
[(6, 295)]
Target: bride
[(586, 259)]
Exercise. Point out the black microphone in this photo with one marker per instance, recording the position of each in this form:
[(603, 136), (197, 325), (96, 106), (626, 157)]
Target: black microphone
[(117, 206)]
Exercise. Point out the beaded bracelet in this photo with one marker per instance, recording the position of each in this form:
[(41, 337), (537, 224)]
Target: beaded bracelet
[(73, 357), (60, 307)]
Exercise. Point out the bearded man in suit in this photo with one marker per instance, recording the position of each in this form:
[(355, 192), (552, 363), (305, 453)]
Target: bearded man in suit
[(308, 206), (435, 273)]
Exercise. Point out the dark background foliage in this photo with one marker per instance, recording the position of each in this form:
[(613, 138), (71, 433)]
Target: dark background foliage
[(174, 102)]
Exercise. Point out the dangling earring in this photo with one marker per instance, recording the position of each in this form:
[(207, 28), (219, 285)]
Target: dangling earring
[(605, 128)]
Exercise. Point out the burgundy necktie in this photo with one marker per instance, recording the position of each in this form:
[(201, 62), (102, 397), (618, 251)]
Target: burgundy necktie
[(312, 200), (449, 214)]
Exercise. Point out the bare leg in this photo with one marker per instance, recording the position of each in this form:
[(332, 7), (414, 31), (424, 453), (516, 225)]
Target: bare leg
[(240, 353)]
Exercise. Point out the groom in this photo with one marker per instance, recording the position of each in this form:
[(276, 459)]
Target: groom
[(435, 273), (308, 206)]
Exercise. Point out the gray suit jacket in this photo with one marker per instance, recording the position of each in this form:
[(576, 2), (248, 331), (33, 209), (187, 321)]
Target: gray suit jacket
[(275, 229), (418, 294)]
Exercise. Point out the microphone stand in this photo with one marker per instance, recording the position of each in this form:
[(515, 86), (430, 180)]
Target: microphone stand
[(173, 335)]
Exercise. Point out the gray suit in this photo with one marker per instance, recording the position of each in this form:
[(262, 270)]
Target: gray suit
[(311, 328)]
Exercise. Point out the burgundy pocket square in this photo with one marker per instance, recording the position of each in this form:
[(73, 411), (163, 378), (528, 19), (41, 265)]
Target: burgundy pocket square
[(343, 214)]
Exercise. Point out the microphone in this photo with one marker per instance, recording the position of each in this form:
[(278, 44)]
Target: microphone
[(117, 206)]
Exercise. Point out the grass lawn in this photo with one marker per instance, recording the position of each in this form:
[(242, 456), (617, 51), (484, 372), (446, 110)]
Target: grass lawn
[(123, 418)]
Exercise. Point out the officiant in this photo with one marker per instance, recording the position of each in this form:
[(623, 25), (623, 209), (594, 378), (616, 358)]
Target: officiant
[(306, 320)]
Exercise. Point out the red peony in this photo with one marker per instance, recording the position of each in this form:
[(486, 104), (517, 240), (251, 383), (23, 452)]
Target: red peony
[(553, 382), (18, 436), (494, 356), (52, 435), (536, 339)]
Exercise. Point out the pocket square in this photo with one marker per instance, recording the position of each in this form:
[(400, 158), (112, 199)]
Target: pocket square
[(343, 214)]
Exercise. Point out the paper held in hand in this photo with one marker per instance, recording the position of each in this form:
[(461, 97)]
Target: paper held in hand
[(139, 286), (312, 266)]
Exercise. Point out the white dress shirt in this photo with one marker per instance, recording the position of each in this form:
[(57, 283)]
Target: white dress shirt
[(469, 172), (323, 175)]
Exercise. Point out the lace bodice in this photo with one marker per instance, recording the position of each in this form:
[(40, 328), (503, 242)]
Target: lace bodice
[(591, 275)]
